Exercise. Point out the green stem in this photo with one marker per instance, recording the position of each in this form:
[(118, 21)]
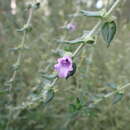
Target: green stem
[(87, 36), (22, 46), (111, 94), (113, 7)]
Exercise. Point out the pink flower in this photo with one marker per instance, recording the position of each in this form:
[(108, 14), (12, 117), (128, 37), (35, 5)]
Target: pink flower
[(71, 27), (64, 66)]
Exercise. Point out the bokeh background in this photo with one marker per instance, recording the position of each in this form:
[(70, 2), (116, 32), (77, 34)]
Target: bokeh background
[(99, 68)]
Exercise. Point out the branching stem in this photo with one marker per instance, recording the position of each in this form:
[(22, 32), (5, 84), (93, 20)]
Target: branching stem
[(91, 33)]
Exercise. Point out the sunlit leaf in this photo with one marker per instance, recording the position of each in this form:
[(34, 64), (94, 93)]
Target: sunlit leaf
[(83, 39), (77, 100)]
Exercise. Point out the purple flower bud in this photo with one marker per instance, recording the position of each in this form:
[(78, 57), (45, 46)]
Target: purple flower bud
[(64, 66), (71, 27)]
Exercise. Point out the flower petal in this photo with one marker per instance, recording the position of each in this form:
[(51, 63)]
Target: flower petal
[(64, 66)]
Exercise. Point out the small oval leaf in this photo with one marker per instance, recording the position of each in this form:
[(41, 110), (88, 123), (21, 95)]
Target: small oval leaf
[(108, 31)]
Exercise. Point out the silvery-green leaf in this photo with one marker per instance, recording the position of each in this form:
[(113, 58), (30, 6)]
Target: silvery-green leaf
[(92, 13), (77, 41)]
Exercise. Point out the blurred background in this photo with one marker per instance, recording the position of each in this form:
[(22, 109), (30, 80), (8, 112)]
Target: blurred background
[(100, 69)]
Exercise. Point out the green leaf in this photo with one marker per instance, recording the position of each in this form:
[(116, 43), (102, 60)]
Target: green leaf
[(78, 104), (89, 40), (77, 41), (77, 100), (4, 91), (108, 31), (72, 108), (99, 14), (118, 96)]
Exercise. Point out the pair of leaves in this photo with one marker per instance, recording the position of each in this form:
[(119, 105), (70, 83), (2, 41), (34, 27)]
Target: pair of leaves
[(108, 31)]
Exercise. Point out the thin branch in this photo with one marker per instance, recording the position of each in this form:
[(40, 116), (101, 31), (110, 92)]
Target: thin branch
[(87, 36), (110, 94), (22, 46), (113, 7)]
